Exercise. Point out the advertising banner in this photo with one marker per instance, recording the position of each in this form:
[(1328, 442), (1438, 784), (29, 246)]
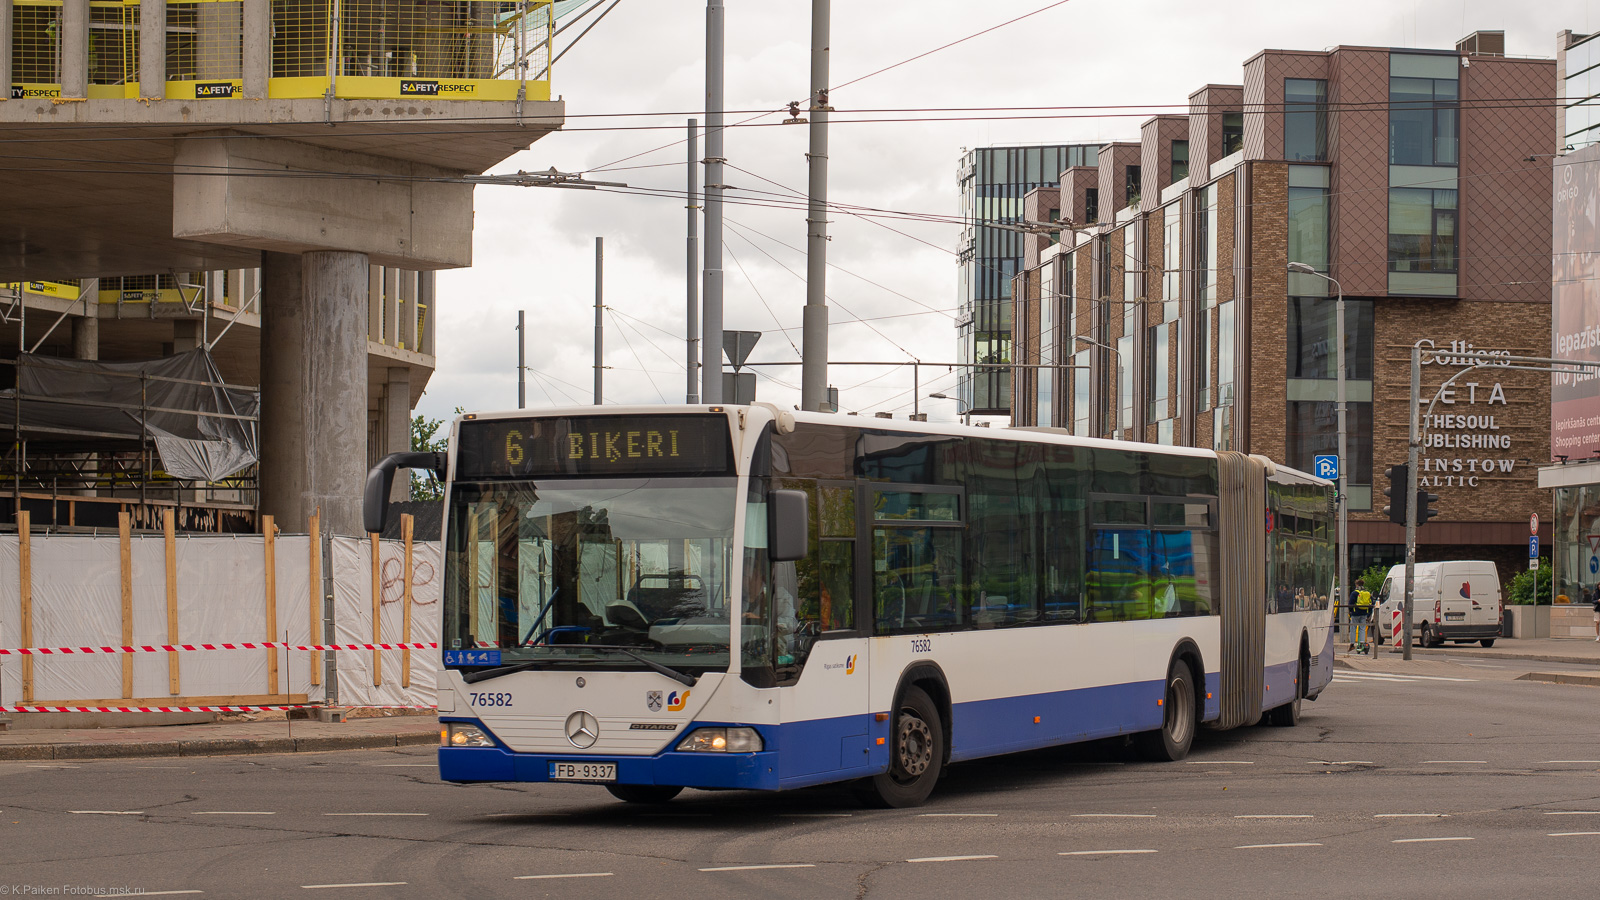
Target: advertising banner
[(1575, 303)]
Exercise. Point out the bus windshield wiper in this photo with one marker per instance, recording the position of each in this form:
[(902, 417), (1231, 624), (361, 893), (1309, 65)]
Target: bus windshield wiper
[(676, 675)]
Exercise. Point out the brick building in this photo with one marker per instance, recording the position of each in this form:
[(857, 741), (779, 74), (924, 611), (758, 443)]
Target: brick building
[(1402, 177)]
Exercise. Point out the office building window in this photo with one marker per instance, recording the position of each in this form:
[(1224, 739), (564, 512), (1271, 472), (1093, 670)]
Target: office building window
[(1124, 358), (1080, 393), (1047, 344), (1156, 373), (1424, 126), (1308, 216), (1130, 187), (1091, 205), (1305, 119), (1180, 160), (1311, 350), (1055, 216), (1232, 133), (1313, 430), (1172, 259), (1422, 230), (1225, 354)]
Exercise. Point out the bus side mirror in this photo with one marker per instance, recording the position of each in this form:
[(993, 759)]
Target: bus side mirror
[(375, 499), (788, 528)]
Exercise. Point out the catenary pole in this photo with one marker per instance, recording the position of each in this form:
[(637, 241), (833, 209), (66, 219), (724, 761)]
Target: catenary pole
[(1414, 441), (522, 360), (599, 324), (814, 343), (711, 320), (691, 393)]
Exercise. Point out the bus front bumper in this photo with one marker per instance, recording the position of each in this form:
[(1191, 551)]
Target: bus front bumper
[(744, 771)]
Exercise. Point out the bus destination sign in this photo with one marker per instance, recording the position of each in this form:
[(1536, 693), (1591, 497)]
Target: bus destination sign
[(594, 445)]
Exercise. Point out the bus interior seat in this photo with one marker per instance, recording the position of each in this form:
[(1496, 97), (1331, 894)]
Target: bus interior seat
[(667, 596)]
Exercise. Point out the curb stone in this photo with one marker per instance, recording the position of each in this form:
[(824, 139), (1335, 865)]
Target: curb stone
[(213, 747)]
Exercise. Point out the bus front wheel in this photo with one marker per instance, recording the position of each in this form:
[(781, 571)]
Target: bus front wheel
[(916, 755), (644, 793), (1171, 741)]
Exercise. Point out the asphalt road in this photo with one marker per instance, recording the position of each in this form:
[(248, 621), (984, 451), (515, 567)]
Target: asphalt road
[(1461, 783)]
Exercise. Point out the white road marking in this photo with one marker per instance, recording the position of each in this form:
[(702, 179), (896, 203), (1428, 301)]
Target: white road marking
[(1113, 816), (1101, 852), (1297, 816), (1273, 846), (1427, 840), (106, 812), (232, 812), (1573, 812), (814, 815), (572, 875), (957, 815), (377, 814), (41, 766), (1352, 675), (1455, 762), (750, 868), (1412, 816), (1340, 762), (312, 887), (1572, 833), (1220, 762), (948, 858), (1585, 762)]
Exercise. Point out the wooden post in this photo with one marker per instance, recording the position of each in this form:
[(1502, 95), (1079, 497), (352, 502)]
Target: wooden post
[(377, 616), (168, 528), (407, 524), (316, 594), (269, 533), (25, 570), (125, 540)]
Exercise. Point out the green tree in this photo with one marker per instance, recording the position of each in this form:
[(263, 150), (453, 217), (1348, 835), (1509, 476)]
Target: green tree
[(1521, 592), (425, 438), (1372, 578)]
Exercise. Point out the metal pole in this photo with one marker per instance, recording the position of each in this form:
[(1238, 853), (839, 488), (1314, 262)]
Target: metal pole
[(1412, 445), (711, 321), (691, 392), (1346, 591), (522, 361), (599, 324), (814, 343), (916, 388)]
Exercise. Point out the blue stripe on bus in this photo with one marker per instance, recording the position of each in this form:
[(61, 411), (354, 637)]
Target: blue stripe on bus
[(819, 751)]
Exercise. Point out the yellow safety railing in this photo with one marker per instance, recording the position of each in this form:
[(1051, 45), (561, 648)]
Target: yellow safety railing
[(360, 49)]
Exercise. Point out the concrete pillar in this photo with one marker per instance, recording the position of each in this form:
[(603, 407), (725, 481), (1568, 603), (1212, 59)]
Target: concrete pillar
[(5, 50), (391, 306), (397, 425), (427, 296), (85, 337), (375, 304), (257, 48), (314, 387), (75, 48), (185, 335), (153, 49)]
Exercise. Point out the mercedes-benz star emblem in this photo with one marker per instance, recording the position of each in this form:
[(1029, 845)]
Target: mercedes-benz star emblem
[(582, 730)]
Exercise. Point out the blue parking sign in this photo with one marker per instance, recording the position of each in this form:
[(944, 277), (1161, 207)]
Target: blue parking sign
[(1326, 467), (1533, 547)]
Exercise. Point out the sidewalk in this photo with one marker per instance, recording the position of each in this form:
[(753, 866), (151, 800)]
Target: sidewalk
[(1556, 650), (220, 739)]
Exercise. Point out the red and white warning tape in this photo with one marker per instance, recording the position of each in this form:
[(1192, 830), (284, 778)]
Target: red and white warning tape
[(185, 709), (171, 648)]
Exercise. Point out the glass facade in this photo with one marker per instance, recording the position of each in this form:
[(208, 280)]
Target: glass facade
[(1045, 412), (1581, 91), (1422, 230), (1424, 155), (1305, 119), (1576, 532), (1312, 415), (993, 182)]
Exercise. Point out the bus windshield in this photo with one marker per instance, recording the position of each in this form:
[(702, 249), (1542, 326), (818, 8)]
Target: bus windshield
[(541, 568)]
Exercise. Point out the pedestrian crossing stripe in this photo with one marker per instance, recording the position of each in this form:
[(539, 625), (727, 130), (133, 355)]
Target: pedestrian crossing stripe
[(1348, 675)]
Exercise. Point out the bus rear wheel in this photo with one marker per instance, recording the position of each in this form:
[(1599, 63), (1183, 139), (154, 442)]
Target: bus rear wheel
[(916, 755), (1172, 740), (644, 793)]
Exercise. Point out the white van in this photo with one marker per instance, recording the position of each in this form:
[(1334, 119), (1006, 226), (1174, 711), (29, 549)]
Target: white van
[(1452, 601)]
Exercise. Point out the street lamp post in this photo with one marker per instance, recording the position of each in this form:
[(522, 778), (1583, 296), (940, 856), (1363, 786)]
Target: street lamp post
[(966, 415), (1345, 592)]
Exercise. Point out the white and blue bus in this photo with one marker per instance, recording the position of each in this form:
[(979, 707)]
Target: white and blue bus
[(655, 598)]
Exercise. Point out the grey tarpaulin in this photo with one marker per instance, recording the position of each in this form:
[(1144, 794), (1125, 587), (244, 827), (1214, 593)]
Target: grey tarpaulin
[(85, 402)]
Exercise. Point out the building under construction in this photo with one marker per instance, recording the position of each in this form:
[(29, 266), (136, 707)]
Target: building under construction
[(221, 227)]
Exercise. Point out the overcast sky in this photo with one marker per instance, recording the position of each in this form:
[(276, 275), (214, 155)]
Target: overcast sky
[(533, 248)]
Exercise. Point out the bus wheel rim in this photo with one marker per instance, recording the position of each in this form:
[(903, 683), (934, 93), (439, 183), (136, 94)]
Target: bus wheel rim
[(915, 746)]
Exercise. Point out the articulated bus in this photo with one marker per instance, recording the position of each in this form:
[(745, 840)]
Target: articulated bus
[(743, 597)]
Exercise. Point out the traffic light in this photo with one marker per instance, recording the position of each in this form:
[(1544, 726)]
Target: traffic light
[(1396, 492), (1425, 510)]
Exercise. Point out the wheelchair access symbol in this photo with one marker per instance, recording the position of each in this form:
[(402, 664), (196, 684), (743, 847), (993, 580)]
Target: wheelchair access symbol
[(1326, 467)]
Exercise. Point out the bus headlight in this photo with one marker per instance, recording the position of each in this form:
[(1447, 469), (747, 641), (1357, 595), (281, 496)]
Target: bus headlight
[(722, 740), (455, 734)]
